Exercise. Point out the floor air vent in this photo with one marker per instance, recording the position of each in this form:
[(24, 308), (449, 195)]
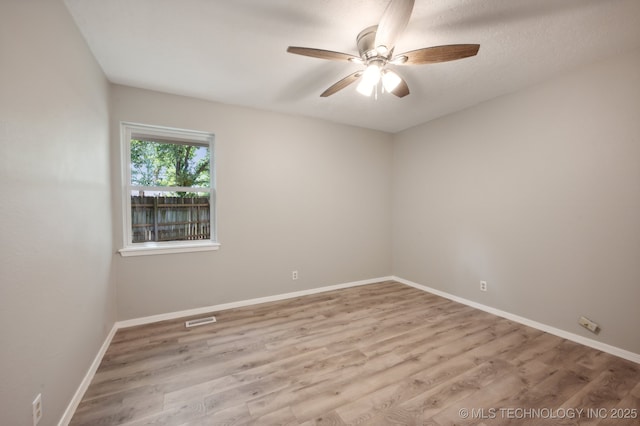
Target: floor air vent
[(199, 321)]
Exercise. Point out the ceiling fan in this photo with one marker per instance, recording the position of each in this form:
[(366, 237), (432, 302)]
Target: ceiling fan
[(376, 45)]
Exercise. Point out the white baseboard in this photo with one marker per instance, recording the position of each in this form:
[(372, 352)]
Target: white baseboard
[(613, 350), (86, 381), (242, 303)]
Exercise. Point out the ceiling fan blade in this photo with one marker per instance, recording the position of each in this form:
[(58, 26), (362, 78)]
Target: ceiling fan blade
[(401, 89), (432, 55), (323, 54), (393, 23), (342, 84)]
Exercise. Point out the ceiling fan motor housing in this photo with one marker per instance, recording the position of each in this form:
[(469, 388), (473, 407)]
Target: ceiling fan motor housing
[(366, 42)]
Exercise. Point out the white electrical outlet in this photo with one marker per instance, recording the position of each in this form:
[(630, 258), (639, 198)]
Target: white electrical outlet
[(294, 275), (588, 324), (483, 286), (36, 406)]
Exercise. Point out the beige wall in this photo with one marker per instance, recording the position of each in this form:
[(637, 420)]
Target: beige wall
[(57, 298), (293, 194), (538, 193)]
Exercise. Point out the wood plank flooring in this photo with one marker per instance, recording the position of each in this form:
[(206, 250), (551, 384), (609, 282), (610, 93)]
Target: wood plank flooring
[(381, 354)]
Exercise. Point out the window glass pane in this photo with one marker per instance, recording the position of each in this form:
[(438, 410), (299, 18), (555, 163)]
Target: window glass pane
[(169, 164), (170, 216)]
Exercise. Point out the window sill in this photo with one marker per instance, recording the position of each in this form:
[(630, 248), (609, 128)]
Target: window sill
[(146, 249)]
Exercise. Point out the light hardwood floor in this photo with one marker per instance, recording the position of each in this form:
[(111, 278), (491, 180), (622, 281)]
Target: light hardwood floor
[(381, 354)]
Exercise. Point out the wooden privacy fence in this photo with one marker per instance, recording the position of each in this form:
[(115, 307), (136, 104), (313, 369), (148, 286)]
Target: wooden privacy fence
[(169, 218)]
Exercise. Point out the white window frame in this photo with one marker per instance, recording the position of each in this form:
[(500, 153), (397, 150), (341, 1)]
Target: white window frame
[(130, 130)]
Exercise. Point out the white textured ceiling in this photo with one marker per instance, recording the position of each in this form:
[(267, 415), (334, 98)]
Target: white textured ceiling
[(234, 51)]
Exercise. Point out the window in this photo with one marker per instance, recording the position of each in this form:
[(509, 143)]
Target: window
[(169, 190)]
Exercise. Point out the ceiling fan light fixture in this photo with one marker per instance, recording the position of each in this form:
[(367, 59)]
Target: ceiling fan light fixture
[(364, 88), (371, 75), (390, 80), (370, 79)]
